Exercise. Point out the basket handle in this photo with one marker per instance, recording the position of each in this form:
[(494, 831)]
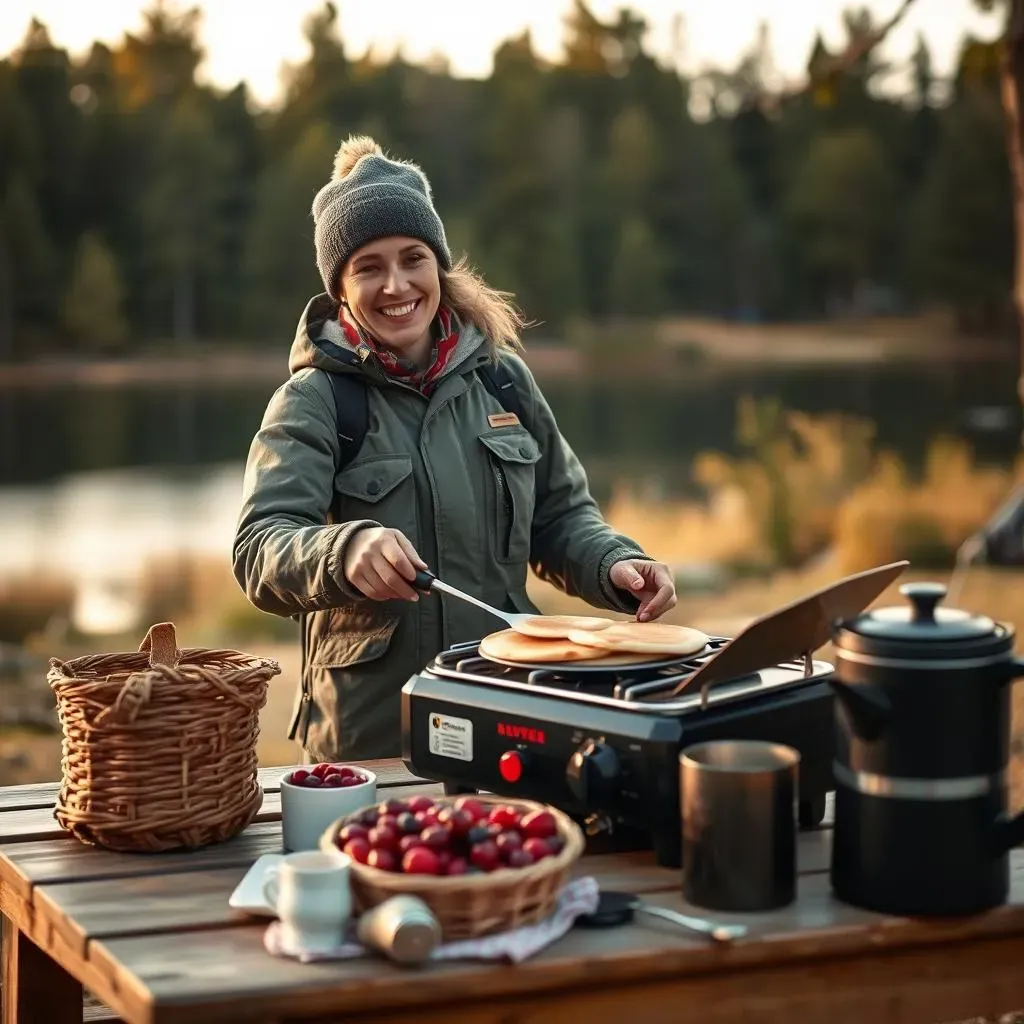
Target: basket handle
[(130, 701), (162, 645)]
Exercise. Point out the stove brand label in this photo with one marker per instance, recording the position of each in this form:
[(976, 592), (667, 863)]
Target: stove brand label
[(526, 733), (451, 737)]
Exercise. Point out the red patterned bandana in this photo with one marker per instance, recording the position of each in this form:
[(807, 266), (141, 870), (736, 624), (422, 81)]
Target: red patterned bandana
[(445, 337)]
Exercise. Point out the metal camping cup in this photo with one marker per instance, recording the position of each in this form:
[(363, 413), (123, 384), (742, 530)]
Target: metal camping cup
[(738, 801)]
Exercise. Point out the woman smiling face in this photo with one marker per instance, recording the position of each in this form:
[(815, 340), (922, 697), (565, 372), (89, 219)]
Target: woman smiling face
[(393, 291)]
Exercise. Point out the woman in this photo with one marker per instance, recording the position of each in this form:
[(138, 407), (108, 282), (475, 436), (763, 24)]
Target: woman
[(445, 477)]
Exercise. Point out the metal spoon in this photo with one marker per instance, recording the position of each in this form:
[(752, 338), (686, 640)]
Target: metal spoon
[(617, 908)]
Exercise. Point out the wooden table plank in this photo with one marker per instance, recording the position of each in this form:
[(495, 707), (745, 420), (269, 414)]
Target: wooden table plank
[(230, 966), (37, 824), (42, 795), (164, 903), (57, 860), (909, 986), (39, 794)]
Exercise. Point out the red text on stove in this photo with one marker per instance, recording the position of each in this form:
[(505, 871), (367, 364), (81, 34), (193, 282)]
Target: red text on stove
[(526, 733)]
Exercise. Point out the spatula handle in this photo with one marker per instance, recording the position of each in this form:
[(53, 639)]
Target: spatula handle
[(424, 581)]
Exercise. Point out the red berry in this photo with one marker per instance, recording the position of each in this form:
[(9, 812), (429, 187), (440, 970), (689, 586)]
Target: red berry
[(408, 842), (484, 855), (519, 858), (394, 807), (458, 822), (353, 831), (420, 803), (556, 844), (312, 782), (333, 782), (504, 815), (358, 849), (383, 838), (457, 866), (427, 818), (345, 771), (383, 859), (539, 823), (321, 770), (471, 807), (507, 842), (298, 777), (420, 860), (350, 780), (388, 821), (537, 848), (367, 816), (436, 836)]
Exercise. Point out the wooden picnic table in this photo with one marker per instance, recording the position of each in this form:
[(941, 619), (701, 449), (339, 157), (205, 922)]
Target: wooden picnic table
[(153, 937)]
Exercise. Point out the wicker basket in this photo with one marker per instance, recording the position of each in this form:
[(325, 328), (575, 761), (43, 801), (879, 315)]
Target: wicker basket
[(159, 748), (470, 906)]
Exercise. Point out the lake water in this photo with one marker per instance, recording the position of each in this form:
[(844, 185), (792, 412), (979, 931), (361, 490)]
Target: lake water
[(95, 480)]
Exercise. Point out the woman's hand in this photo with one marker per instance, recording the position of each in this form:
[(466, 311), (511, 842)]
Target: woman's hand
[(380, 563), (651, 582)]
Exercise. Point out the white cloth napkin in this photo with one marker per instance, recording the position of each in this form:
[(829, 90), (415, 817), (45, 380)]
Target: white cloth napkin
[(580, 896)]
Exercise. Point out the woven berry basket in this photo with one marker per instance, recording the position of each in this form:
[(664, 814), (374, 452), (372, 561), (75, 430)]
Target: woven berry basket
[(159, 747), (471, 906)]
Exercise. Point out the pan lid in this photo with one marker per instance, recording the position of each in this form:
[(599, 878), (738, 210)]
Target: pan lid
[(922, 629)]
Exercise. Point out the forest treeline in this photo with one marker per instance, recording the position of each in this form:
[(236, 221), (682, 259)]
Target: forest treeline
[(138, 205)]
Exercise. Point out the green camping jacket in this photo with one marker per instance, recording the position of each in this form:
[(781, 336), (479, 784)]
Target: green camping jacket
[(481, 503)]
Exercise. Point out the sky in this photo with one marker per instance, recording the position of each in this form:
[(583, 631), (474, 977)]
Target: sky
[(251, 41)]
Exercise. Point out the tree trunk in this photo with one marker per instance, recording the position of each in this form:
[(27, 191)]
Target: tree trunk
[(1011, 82)]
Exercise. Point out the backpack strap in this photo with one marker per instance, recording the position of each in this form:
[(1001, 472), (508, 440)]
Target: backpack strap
[(352, 411), (498, 381)]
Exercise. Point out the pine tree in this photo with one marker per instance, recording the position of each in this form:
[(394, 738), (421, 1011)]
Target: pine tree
[(93, 309)]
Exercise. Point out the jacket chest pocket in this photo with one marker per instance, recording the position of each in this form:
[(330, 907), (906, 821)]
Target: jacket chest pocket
[(511, 457), (378, 488)]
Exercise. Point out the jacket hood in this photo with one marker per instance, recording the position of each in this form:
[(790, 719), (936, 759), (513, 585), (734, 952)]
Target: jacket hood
[(321, 343)]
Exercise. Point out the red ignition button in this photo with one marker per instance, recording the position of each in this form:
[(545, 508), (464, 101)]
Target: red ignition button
[(510, 766)]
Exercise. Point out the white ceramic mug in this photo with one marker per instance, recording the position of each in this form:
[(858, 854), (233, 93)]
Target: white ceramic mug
[(310, 893), (306, 813)]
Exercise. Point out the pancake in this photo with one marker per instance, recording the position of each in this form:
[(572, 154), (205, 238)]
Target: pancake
[(643, 638), (558, 627), (508, 645)]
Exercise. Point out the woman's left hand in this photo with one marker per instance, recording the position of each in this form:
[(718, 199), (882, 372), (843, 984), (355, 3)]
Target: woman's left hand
[(651, 582)]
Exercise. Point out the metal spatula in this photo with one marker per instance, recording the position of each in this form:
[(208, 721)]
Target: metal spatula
[(426, 581)]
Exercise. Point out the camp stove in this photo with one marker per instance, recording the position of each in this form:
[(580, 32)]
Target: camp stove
[(602, 743)]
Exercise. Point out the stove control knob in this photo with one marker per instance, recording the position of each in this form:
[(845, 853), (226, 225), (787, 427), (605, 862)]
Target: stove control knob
[(592, 768), (511, 765)]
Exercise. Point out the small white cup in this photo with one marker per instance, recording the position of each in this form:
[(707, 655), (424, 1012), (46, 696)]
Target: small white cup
[(310, 894), (306, 813)]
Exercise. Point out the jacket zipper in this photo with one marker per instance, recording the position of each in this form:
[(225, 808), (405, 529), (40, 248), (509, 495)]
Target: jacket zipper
[(507, 508)]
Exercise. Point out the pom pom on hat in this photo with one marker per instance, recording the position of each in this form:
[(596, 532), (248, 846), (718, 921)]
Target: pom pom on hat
[(351, 151)]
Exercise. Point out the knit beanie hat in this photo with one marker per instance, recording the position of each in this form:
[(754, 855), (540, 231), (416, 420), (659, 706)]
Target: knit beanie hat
[(368, 197)]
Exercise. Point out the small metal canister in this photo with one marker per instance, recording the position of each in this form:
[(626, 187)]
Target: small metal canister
[(403, 928)]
